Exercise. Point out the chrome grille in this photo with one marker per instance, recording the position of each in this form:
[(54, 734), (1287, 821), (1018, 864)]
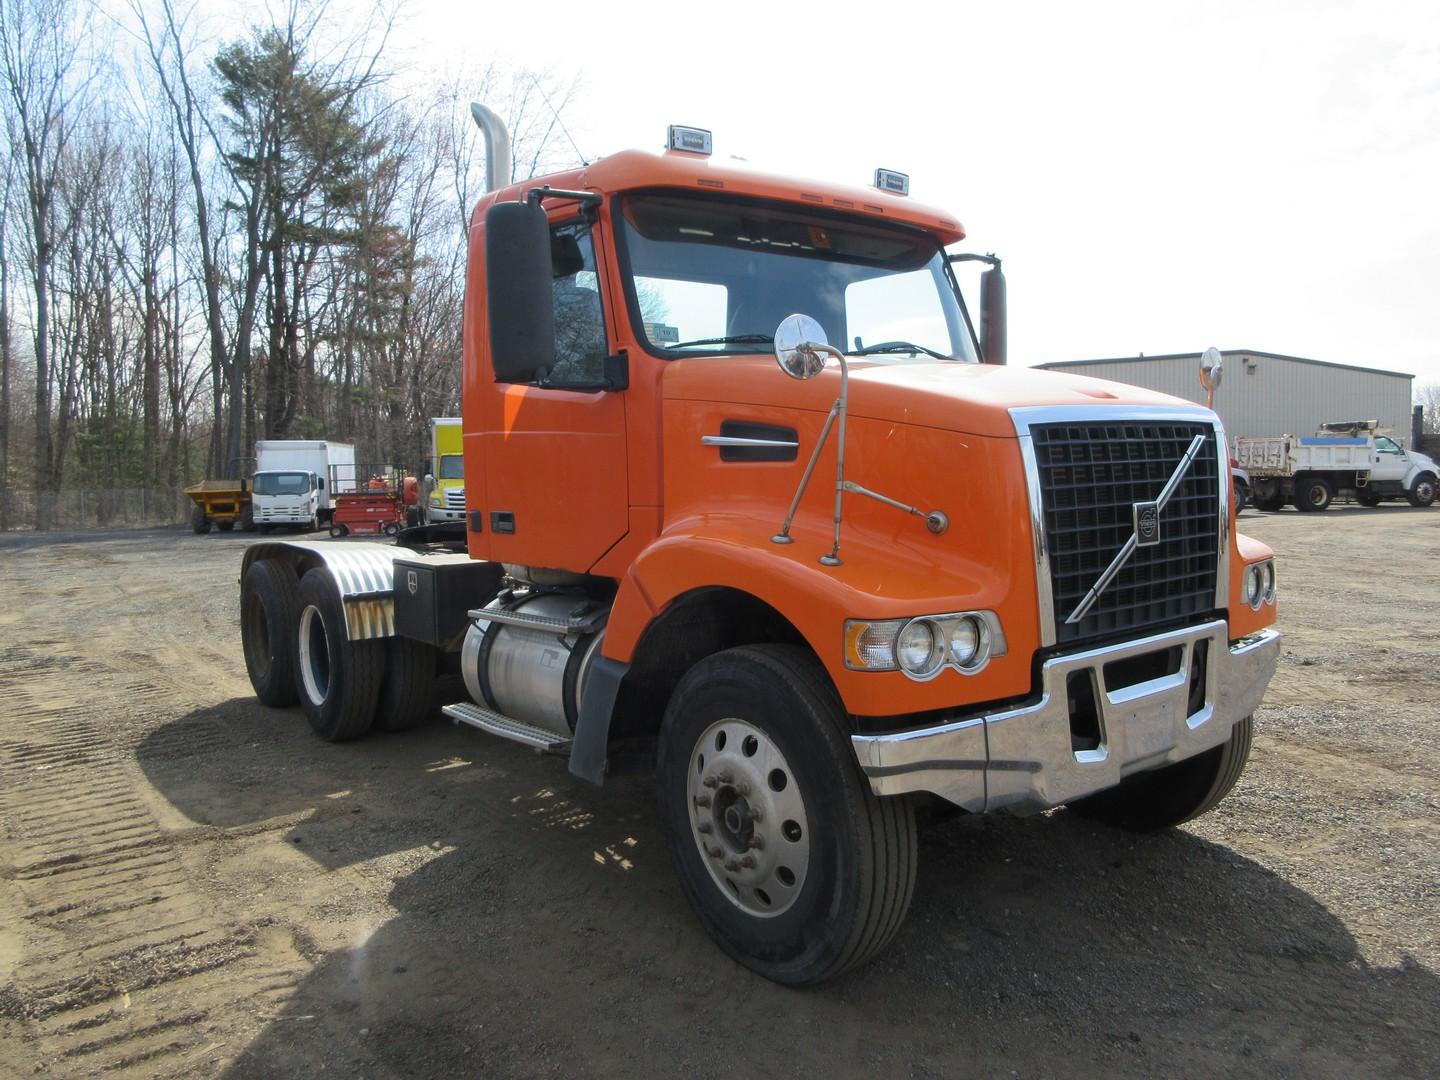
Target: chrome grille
[(1092, 474), (455, 499)]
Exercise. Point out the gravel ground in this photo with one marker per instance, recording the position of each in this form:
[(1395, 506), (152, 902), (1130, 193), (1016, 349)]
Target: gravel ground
[(192, 885)]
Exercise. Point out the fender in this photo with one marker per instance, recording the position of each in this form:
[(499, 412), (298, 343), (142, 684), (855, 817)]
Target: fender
[(877, 581), (363, 572)]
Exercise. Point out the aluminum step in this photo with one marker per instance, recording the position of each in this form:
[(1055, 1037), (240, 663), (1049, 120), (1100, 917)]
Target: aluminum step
[(506, 727), (588, 623)]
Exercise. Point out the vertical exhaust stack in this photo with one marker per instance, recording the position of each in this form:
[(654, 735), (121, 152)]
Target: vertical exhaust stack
[(497, 146)]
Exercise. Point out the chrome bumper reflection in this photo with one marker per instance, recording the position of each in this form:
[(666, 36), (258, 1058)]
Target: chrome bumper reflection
[(1024, 757)]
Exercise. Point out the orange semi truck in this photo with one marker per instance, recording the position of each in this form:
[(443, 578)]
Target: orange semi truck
[(753, 504)]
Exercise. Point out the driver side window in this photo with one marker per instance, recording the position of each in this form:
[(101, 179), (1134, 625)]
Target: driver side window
[(580, 346)]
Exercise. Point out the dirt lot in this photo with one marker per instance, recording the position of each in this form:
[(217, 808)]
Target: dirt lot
[(193, 885)]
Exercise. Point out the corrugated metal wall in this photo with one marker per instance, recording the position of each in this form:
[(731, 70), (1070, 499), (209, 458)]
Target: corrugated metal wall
[(1262, 394)]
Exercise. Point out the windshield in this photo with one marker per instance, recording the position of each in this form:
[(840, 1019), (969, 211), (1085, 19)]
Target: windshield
[(452, 467), (710, 275), (282, 483)]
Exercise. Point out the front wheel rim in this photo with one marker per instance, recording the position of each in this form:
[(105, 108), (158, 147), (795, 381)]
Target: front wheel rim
[(748, 818), (314, 655)]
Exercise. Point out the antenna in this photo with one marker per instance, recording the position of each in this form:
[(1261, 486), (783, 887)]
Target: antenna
[(535, 81)]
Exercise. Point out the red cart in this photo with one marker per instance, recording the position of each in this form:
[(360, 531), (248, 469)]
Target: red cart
[(371, 499)]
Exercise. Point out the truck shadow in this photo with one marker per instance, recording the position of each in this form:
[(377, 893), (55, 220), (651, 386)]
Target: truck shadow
[(534, 928)]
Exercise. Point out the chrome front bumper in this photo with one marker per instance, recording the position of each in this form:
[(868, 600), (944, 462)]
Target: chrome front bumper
[(1024, 757)]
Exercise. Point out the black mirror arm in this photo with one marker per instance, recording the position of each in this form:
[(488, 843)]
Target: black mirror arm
[(990, 260)]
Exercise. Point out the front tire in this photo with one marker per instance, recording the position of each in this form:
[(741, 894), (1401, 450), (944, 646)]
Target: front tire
[(1422, 492), (791, 863), (1313, 494), (198, 521), (1177, 793), (269, 613), (338, 680)]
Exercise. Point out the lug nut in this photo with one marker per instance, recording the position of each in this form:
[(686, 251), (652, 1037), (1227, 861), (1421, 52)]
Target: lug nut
[(715, 852), (709, 781), (757, 842), (726, 778), (743, 788), (748, 862), (704, 827), (731, 865), (702, 800)]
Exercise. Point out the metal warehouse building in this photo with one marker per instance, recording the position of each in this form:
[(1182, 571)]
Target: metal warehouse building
[(1265, 393)]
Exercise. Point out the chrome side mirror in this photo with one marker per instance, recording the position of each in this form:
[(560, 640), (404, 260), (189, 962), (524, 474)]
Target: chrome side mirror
[(795, 341), (1212, 367)]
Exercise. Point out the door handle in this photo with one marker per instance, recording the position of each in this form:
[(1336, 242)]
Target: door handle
[(746, 440)]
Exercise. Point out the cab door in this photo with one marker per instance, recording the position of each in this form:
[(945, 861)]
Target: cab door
[(554, 449), (1388, 460)]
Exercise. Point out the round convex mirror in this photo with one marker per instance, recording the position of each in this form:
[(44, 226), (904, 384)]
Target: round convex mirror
[(793, 352), (1212, 366)]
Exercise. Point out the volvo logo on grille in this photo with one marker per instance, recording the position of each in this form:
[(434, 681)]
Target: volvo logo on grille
[(1147, 524)]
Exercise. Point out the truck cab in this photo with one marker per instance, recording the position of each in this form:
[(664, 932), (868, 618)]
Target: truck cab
[(286, 497), (754, 504), (445, 480)]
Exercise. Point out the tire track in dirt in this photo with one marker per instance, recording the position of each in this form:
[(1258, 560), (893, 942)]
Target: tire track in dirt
[(127, 970)]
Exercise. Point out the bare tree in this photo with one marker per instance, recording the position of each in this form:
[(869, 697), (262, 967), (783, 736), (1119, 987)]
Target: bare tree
[(40, 46)]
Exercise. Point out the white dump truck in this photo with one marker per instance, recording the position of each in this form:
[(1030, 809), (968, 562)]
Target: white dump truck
[(290, 483), (1351, 457)]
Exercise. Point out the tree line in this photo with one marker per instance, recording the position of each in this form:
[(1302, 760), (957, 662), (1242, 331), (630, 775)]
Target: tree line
[(208, 242)]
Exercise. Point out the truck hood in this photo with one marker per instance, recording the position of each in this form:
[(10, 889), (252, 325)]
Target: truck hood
[(972, 398)]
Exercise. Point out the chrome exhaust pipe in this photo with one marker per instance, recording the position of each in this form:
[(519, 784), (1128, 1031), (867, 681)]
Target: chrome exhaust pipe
[(497, 146)]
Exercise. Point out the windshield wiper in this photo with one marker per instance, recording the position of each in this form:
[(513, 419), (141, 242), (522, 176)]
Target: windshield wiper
[(899, 347), (736, 339)]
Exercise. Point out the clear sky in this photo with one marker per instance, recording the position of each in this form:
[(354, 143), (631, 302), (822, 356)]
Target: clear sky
[(1158, 177)]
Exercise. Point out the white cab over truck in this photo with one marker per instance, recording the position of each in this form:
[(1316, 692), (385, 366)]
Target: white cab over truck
[(290, 484), (1350, 457)]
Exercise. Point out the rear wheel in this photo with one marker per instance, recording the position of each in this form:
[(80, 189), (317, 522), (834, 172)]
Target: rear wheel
[(1270, 503), (1165, 797), (792, 864), (247, 518), (408, 687), (269, 612), (338, 679), (338, 530), (198, 521), (1422, 492), (1313, 494), (391, 528)]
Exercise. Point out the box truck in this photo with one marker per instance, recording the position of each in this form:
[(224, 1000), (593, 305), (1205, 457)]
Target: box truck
[(291, 484)]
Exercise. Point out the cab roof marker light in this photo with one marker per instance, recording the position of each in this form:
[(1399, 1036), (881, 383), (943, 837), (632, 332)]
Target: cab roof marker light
[(897, 183), (689, 139)]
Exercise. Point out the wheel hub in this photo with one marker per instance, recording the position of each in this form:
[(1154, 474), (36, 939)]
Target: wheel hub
[(748, 817)]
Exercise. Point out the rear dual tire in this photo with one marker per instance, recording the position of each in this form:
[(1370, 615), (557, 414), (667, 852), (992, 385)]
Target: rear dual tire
[(338, 679), (1313, 494)]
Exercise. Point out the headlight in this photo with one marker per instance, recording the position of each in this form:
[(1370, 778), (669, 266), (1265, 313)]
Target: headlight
[(1253, 585), (916, 648), (921, 647), (966, 637), (436, 500), (1259, 585)]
